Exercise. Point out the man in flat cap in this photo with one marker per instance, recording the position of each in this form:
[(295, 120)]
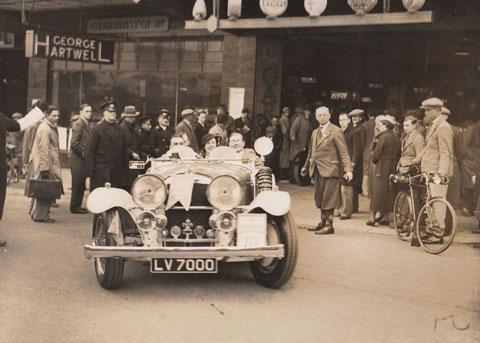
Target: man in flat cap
[(105, 152), (186, 126), (437, 157), (127, 126), (80, 133), (161, 134), (358, 138), (327, 158)]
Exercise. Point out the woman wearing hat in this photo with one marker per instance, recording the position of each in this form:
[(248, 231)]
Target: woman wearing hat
[(385, 156)]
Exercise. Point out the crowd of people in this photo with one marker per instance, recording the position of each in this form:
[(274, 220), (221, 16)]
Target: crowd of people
[(345, 161)]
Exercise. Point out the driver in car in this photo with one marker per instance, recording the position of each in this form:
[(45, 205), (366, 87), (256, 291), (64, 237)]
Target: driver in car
[(179, 148), (237, 142)]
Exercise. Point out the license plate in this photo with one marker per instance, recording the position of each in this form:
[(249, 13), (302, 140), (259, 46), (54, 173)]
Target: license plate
[(184, 265)]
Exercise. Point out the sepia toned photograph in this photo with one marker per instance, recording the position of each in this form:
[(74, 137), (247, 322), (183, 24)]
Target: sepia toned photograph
[(240, 171)]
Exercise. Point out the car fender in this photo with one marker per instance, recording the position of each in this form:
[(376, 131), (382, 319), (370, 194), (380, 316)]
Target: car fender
[(103, 199), (273, 202)]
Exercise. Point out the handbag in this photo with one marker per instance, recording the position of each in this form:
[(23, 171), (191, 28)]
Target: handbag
[(45, 189)]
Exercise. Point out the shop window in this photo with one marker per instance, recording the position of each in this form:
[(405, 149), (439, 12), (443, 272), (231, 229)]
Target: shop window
[(128, 56), (148, 56), (59, 65)]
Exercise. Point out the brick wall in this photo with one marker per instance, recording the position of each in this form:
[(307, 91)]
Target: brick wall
[(239, 54), (37, 79)]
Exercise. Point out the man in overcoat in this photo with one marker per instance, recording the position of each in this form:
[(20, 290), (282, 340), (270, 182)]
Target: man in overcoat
[(284, 122), (161, 134), (8, 124), (437, 157), (45, 159), (412, 144), (186, 126), (106, 154), (127, 126), (327, 157), (243, 125), (80, 132), (356, 155), (299, 134)]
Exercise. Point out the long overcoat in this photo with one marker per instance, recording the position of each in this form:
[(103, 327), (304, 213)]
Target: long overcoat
[(299, 135), (186, 128), (45, 154), (284, 122), (385, 155)]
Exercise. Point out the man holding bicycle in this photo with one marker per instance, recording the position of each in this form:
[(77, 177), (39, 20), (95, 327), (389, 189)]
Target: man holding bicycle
[(436, 158)]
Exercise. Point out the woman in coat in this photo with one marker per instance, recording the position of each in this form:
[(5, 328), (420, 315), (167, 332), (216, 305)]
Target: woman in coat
[(45, 160), (385, 156)]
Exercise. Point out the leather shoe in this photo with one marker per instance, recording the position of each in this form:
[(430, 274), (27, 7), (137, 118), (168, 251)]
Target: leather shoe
[(325, 231), (371, 222), (79, 210), (431, 239), (319, 226), (344, 217), (3, 243)]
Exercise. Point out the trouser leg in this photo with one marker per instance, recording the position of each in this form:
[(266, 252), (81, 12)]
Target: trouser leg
[(41, 209), (439, 209), (78, 182), (347, 200), (365, 185)]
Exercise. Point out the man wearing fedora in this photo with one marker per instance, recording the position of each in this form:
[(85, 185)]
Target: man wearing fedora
[(186, 126), (105, 151), (437, 157), (127, 126)]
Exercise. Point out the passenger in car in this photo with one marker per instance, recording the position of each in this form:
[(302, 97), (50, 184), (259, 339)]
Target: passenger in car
[(237, 142), (179, 148), (209, 142)]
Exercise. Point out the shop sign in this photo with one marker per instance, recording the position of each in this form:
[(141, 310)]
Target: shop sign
[(273, 8), (68, 47), (128, 25)]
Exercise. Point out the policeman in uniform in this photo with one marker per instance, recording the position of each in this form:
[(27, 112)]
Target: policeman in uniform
[(105, 153), (160, 137)]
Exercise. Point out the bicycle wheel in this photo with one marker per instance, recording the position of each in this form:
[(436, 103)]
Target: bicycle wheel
[(431, 218), (403, 216)]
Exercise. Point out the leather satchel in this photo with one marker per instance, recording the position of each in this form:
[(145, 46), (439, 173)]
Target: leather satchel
[(45, 189)]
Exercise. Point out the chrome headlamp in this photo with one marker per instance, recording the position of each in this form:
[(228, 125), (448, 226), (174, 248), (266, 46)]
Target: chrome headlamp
[(149, 191), (225, 192)]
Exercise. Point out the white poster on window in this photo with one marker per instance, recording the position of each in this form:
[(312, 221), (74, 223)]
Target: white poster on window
[(236, 101), (62, 138)]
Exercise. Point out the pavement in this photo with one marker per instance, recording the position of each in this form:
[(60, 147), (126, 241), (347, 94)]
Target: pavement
[(307, 215)]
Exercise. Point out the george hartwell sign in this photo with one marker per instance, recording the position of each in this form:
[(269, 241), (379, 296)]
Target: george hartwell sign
[(68, 47)]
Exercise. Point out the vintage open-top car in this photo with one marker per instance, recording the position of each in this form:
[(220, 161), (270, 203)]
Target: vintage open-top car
[(185, 215)]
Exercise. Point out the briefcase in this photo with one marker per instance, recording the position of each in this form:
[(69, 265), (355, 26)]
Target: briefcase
[(45, 189)]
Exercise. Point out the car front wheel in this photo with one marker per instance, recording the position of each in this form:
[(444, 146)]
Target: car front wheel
[(109, 270), (275, 272)]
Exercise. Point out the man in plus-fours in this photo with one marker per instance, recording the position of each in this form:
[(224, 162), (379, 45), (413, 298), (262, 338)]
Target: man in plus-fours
[(437, 158), (327, 158), (80, 132)]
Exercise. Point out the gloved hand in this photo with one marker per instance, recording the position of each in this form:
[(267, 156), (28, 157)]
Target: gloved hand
[(44, 175), (41, 105)]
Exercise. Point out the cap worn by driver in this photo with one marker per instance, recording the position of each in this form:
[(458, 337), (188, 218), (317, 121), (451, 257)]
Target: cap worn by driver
[(432, 103), (108, 106)]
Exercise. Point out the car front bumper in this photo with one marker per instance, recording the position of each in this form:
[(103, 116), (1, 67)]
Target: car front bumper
[(221, 253)]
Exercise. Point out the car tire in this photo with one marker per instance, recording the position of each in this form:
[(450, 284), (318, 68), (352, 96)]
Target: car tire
[(109, 270), (276, 272)]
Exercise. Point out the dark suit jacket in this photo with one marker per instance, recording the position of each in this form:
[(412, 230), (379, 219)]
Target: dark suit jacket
[(80, 132), (160, 140), (328, 153), (184, 127)]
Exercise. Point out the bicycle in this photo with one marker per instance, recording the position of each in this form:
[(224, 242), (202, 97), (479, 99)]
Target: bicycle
[(411, 225)]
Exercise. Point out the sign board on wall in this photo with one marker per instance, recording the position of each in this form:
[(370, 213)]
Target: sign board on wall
[(128, 25), (7, 40), (68, 47), (236, 101)]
